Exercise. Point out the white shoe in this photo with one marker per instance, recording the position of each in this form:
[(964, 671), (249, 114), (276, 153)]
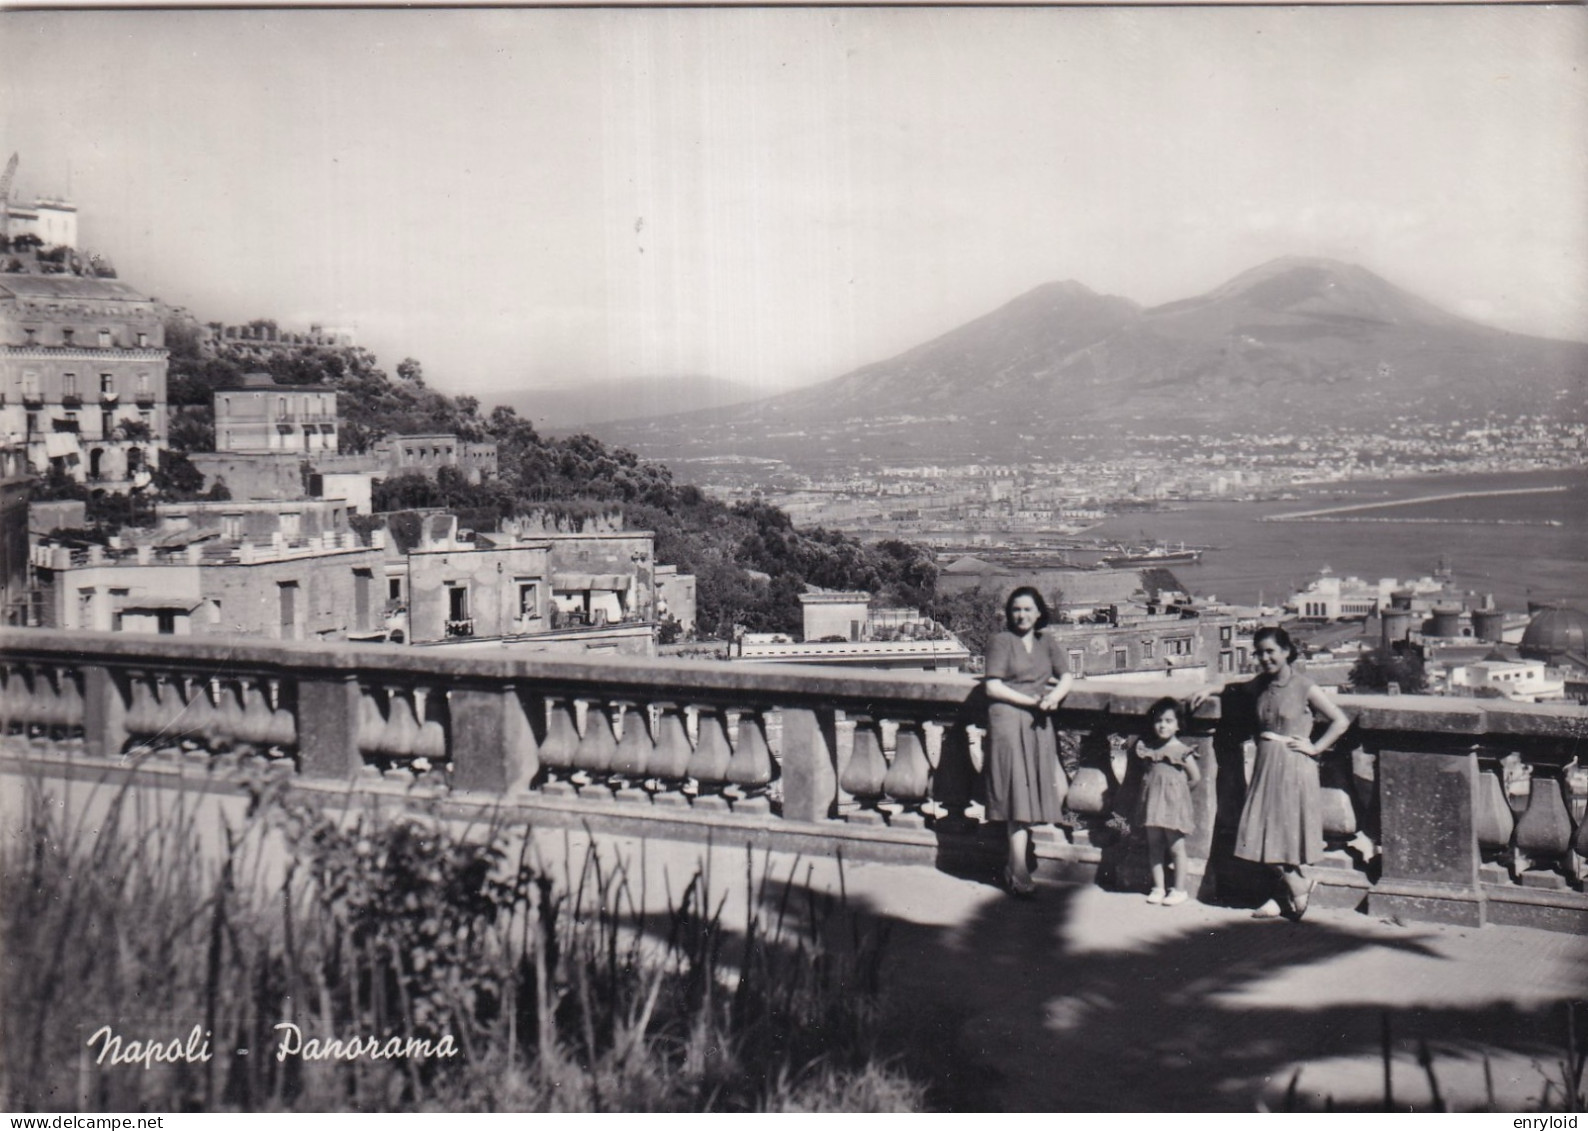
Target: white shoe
[(1155, 896), (1176, 897)]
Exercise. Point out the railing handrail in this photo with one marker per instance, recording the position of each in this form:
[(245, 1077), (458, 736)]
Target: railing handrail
[(917, 693)]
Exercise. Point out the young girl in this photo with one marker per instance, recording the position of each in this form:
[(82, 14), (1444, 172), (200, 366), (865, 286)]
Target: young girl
[(1171, 771)]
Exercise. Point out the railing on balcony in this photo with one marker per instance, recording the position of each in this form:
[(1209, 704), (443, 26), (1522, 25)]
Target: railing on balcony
[(461, 626), (1447, 809), (71, 400)]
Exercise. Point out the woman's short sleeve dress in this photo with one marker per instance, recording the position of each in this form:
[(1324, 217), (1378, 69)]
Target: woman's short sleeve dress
[(1282, 822), (1165, 787), (1024, 781)]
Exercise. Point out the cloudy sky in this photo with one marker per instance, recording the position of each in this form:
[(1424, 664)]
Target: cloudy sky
[(533, 198)]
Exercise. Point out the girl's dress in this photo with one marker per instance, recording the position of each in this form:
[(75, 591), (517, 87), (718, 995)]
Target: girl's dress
[(1024, 781), (1165, 787), (1282, 822)]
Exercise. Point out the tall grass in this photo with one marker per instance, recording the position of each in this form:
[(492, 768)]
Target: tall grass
[(557, 987)]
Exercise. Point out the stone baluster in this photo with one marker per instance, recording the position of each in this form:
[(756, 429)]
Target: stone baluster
[(283, 722), (749, 770), (144, 718), (1543, 835), (908, 780), (430, 744), (201, 721), (399, 738), (562, 740), (598, 745), (708, 765), (633, 752), (1574, 789), (1495, 824), (954, 775), (668, 765), (865, 771), (255, 726), (230, 719)]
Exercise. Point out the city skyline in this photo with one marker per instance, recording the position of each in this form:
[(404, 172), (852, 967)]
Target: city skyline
[(525, 199)]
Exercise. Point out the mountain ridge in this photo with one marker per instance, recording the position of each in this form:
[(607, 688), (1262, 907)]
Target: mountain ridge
[(1296, 343)]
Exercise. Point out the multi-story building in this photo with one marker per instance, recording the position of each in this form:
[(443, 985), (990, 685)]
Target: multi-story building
[(15, 484), (82, 376), (260, 417), (52, 222), (286, 589), (426, 453)]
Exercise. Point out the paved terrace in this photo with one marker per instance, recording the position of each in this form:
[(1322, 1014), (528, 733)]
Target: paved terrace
[(1456, 834)]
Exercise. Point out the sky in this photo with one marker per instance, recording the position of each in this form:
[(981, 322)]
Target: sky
[(534, 198)]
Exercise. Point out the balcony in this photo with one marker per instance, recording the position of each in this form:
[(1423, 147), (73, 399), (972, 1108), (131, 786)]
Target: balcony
[(144, 397), (1463, 811), (463, 626), (33, 398), (109, 397), (71, 400)]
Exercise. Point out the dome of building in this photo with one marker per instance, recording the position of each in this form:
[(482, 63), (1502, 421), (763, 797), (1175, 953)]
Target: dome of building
[(1554, 633)]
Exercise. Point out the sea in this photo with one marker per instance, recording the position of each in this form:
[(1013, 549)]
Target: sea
[(1519, 547)]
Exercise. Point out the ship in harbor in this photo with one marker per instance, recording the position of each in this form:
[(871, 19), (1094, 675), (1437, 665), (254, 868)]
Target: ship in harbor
[(1153, 554)]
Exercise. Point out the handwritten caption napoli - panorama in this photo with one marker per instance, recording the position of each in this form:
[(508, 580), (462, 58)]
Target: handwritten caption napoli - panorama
[(194, 1048)]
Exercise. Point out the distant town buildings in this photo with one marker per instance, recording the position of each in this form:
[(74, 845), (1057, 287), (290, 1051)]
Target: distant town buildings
[(260, 417), (82, 376)]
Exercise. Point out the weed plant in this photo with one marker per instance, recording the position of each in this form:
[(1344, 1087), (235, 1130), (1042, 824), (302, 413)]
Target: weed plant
[(557, 992)]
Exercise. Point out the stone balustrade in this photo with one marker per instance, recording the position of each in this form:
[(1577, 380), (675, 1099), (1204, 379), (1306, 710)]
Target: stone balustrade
[(1456, 810)]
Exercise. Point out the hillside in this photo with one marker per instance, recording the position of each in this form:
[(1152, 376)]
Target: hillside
[(596, 402), (1293, 345)]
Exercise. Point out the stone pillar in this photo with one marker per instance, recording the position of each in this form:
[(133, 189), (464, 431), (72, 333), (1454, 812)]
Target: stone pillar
[(1428, 806), (328, 717), (810, 773), (104, 713), (493, 747)]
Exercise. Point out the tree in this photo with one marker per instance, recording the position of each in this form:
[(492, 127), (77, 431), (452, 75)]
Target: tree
[(975, 616), (411, 371), (1375, 671)]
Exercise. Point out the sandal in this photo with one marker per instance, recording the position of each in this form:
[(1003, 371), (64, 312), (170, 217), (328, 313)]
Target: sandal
[(1298, 903), (1020, 889), (1269, 910)]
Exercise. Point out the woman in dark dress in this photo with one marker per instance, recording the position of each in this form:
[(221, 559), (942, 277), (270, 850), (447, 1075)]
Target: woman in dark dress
[(1026, 680), (1282, 821)]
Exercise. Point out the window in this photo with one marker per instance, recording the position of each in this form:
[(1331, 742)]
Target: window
[(104, 339), (1148, 647), (68, 384), (30, 332), (287, 597), (32, 423), (394, 588), (1121, 659), (528, 599), (66, 335), (107, 424), (143, 339), (291, 524), (118, 597), (457, 601), (1225, 632), (1077, 661), (363, 587), (107, 382)]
